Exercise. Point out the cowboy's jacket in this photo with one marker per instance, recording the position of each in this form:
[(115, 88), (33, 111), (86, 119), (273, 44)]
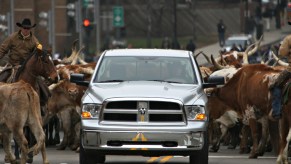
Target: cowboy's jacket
[(18, 47)]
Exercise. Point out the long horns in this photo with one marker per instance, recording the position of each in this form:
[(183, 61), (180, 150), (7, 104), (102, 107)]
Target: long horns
[(280, 62), (215, 63)]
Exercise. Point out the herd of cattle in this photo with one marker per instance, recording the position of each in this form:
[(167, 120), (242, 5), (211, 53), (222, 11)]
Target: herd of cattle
[(240, 109)]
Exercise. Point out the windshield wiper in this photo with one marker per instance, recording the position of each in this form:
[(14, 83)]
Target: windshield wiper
[(109, 81), (167, 81)]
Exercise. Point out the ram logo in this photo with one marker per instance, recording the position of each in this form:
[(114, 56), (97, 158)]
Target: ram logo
[(142, 111)]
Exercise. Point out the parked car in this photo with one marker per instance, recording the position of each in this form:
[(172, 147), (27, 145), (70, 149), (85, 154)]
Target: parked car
[(239, 40), (138, 104)]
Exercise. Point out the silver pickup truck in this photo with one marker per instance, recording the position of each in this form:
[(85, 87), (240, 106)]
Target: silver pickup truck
[(148, 102)]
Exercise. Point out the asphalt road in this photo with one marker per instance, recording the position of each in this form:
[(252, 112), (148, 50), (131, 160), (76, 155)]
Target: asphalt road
[(223, 156)]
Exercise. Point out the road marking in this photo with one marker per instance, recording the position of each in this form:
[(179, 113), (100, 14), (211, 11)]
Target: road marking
[(162, 160), (152, 159), (165, 159)]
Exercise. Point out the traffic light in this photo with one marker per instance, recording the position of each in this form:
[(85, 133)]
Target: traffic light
[(86, 22)]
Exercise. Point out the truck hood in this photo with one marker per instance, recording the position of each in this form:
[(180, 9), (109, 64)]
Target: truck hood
[(143, 89)]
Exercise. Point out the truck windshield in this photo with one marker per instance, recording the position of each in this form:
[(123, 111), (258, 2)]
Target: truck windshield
[(149, 68)]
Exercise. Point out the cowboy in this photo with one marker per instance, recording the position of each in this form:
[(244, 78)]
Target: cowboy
[(18, 46), (277, 87)]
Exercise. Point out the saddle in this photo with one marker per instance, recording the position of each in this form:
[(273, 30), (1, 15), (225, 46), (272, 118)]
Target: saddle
[(7, 75)]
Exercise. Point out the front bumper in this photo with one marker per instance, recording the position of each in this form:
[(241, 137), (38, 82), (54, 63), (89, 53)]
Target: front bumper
[(113, 139)]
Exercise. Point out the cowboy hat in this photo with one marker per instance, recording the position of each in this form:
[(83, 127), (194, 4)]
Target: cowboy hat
[(25, 23)]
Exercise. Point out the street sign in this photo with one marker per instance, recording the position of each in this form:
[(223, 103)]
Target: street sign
[(118, 16)]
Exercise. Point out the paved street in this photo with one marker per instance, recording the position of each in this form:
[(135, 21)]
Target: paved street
[(223, 156)]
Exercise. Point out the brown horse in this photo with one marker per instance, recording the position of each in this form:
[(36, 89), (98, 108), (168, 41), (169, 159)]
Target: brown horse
[(285, 124), (39, 63)]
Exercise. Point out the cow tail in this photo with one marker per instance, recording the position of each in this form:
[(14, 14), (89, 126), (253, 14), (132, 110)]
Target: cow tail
[(36, 126)]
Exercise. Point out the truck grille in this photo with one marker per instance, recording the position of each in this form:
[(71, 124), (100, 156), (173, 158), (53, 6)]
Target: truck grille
[(142, 111)]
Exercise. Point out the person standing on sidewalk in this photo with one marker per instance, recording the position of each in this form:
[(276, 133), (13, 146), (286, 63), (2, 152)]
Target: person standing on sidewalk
[(267, 16), (191, 46), (221, 28)]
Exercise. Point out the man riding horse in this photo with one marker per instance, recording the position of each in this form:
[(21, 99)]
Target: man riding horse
[(277, 87), (17, 48)]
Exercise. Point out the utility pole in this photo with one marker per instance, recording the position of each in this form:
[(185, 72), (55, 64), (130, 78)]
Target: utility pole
[(53, 29), (149, 28), (246, 15), (97, 24), (80, 18), (11, 17), (175, 41)]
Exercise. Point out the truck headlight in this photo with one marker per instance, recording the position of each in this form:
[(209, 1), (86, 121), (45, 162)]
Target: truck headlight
[(91, 110), (195, 113)]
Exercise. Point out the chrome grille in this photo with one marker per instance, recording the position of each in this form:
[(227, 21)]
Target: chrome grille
[(142, 111)]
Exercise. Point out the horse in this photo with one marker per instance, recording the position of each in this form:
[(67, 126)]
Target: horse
[(285, 124), (38, 64)]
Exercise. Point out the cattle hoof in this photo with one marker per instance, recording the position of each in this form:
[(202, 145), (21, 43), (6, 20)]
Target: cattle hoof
[(6, 159), (29, 160), (253, 156), (214, 149), (245, 150), (17, 161), (46, 162), (78, 150), (74, 147)]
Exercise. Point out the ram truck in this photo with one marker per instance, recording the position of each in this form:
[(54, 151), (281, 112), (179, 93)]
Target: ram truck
[(148, 102)]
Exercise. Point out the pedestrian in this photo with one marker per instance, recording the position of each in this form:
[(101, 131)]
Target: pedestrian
[(277, 87), (252, 26), (18, 47), (191, 46), (221, 28), (267, 16)]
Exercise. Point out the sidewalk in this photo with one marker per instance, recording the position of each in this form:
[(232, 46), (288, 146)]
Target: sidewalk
[(270, 37)]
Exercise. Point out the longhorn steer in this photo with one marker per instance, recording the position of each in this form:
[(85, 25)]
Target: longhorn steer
[(20, 106), (247, 91), (64, 99), (222, 118)]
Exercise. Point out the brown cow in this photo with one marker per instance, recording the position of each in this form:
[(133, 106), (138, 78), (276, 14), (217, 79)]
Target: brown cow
[(20, 106), (248, 92), (221, 119), (64, 100)]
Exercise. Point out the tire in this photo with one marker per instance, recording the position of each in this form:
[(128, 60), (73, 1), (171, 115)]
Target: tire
[(200, 157), (90, 158)]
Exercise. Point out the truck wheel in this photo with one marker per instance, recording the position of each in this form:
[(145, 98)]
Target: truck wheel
[(89, 158), (200, 157)]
